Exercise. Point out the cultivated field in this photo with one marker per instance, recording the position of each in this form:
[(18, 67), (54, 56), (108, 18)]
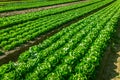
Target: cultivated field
[(60, 40)]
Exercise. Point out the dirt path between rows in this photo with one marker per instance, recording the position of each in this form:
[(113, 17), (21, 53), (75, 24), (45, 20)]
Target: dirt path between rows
[(11, 13), (110, 69)]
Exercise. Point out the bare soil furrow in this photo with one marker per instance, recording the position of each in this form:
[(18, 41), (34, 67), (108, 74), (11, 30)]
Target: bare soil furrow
[(24, 11)]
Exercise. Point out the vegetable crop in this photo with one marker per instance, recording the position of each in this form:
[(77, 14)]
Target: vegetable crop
[(73, 53), (21, 34)]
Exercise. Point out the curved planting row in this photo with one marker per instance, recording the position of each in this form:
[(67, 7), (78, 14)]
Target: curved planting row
[(72, 53), (21, 34), (8, 21), (86, 67)]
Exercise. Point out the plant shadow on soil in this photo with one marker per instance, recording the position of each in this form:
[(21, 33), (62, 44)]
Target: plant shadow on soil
[(110, 63)]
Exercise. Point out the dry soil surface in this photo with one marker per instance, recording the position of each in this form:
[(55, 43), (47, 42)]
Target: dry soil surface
[(110, 69), (11, 13)]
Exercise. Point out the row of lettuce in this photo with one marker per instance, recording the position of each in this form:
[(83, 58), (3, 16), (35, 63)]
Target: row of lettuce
[(8, 21), (74, 53), (15, 36), (30, 4)]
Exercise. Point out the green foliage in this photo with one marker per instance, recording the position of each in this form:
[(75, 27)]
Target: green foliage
[(25, 4), (22, 33), (73, 53)]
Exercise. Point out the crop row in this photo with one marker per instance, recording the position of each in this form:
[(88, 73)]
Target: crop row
[(31, 4), (78, 45), (8, 21), (85, 69), (20, 34)]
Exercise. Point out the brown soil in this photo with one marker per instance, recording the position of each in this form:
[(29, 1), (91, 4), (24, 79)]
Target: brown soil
[(110, 66), (11, 13)]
